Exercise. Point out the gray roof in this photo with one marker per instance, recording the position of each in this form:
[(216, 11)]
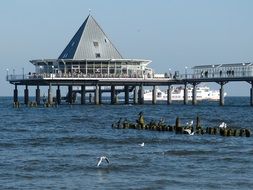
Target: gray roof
[(90, 42)]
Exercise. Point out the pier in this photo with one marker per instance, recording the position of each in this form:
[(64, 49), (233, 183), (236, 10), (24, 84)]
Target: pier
[(92, 64)]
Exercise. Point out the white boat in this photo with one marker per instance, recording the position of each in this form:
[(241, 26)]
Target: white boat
[(203, 93)]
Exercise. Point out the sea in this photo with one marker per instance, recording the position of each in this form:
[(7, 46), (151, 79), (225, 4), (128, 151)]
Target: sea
[(58, 147)]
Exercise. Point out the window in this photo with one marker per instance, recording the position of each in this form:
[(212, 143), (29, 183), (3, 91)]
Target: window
[(105, 40), (95, 44), (97, 55)]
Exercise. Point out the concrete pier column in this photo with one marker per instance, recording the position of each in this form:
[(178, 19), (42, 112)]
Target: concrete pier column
[(251, 94), (135, 95), (126, 94), (113, 95), (15, 94), (58, 95), (194, 95), (50, 97), (70, 94), (154, 95), (222, 94), (169, 99), (97, 95), (100, 95), (141, 95), (26, 95), (185, 94), (83, 91), (38, 95)]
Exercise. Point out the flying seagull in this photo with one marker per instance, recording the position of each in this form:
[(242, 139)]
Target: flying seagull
[(100, 159)]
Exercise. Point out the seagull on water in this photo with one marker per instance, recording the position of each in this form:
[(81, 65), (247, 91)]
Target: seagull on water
[(223, 125), (189, 124), (189, 131), (142, 144), (100, 159)]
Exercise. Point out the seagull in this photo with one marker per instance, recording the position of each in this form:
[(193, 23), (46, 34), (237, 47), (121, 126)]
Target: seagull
[(100, 159), (142, 144), (189, 131), (223, 125), (189, 124)]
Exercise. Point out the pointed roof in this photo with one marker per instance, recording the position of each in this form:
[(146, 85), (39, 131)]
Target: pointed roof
[(90, 42)]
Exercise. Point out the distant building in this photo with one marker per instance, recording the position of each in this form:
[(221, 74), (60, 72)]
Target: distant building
[(90, 53)]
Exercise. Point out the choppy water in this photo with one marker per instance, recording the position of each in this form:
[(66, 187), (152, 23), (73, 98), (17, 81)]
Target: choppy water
[(57, 148)]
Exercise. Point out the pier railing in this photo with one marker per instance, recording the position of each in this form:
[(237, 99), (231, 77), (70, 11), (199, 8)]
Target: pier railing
[(39, 76), (215, 75)]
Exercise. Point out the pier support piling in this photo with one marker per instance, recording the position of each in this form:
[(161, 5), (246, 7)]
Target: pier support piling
[(113, 95), (38, 95), (100, 95), (135, 95), (126, 94), (251, 94), (169, 91), (141, 95), (83, 89), (154, 95), (222, 102), (15, 94), (97, 95), (70, 94), (26, 94), (185, 94), (58, 95), (194, 95), (50, 98)]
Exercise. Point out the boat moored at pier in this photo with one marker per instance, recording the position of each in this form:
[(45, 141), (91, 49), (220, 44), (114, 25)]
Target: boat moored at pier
[(177, 94)]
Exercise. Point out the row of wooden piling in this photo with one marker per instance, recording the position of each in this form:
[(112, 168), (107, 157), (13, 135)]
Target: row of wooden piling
[(198, 129), (34, 104)]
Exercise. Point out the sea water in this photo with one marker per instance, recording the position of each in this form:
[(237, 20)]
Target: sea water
[(57, 148)]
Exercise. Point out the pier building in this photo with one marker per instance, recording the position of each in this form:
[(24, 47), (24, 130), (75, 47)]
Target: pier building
[(92, 63)]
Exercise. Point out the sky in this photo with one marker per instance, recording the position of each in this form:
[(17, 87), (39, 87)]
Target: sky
[(174, 34)]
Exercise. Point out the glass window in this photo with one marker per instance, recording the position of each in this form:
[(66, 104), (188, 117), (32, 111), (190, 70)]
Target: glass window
[(95, 44), (97, 55)]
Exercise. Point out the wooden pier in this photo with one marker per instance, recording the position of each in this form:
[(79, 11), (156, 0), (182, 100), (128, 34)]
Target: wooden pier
[(98, 85)]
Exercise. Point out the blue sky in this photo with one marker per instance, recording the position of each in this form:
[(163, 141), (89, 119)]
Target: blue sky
[(171, 33)]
